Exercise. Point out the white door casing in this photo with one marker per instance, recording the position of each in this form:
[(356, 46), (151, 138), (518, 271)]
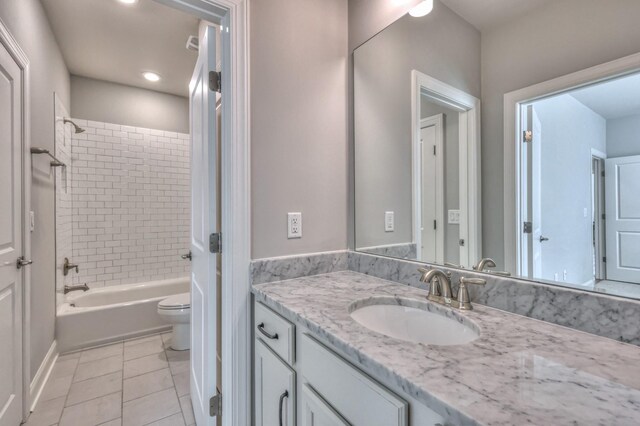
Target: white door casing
[(622, 190), (11, 239), (468, 108), (204, 316), (432, 189)]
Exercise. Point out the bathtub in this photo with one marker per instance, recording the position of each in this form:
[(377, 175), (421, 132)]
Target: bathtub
[(108, 314)]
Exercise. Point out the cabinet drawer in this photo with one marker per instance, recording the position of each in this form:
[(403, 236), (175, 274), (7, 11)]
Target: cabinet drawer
[(360, 400), (275, 331), (274, 389)]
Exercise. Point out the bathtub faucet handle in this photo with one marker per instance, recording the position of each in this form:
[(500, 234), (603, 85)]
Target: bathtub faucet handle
[(67, 266)]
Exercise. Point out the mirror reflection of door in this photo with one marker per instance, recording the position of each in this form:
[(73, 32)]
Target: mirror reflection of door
[(579, 203), (431, 152)]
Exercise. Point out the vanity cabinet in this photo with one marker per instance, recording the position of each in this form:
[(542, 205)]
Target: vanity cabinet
[(315, 411), (308, 384), (274, 388)]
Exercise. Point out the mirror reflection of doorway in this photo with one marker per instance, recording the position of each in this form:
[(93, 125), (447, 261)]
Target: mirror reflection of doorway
[(580, 181)]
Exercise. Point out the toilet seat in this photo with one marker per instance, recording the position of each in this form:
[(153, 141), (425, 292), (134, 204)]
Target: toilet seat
[(176, 302)]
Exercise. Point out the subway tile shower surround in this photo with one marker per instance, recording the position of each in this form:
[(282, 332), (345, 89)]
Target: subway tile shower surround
[(130, 205)]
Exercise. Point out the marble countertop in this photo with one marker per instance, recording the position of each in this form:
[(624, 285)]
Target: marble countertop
[(519, 371)]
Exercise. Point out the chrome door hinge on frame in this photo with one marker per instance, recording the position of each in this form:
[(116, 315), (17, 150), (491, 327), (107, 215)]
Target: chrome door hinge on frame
[(527, 227), (215, 243), (215, 405), (215, 81)]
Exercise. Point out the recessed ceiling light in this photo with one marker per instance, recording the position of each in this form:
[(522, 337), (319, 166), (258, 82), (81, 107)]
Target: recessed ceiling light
[(128, 1), (151, 76), (421, 9)]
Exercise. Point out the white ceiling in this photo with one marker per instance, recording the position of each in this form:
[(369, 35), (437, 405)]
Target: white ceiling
[(484, 14), (612, 99), (106, 40)]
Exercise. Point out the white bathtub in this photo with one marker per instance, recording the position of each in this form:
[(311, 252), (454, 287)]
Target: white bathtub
[(108, 314)]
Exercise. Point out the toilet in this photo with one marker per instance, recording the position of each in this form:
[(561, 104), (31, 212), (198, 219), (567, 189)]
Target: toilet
[(176, 310)]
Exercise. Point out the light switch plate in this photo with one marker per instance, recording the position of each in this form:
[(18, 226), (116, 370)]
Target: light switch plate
[(454, 217), (389, 222), (294, 225)]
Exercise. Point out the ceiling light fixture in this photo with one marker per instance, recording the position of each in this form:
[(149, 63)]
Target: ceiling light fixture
[(421, 9), (128, 1), (151, 76)]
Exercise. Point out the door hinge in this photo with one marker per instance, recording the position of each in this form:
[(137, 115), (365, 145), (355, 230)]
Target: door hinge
[(527, 136), (215, 81), (434, 150), (604, 216), (215, 405), (215, 242), (604, 259), (602, 173), (434, 225), (527, 227)]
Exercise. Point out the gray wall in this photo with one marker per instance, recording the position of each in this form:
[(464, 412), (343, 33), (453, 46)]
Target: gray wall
[(103, 101), (28, 24), (559, 38), (368, 17), (298, 124), (569, 131), (623, 136), (442, 45)]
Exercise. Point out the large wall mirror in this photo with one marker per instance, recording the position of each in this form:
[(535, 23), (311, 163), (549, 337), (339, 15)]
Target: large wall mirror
[(571, 212)]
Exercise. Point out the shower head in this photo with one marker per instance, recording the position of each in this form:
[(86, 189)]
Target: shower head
[(77, 128)]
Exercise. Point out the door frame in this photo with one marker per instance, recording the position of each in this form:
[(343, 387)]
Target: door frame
[(468, 108), (233, 16), (436, 121), (512, 141), (598, 202), (16, 52)]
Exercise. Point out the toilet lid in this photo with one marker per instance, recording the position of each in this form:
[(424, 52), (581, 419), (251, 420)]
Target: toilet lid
[(177, 301)]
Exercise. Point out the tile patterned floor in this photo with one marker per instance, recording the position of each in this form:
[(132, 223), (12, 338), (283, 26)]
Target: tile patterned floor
[(132, 383)]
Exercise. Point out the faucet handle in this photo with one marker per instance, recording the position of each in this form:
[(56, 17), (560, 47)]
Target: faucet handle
[(463, 294), (424, 272)]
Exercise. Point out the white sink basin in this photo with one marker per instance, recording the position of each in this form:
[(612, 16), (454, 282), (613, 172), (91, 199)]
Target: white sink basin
[(415, 324)]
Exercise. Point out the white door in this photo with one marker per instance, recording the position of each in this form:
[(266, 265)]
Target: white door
[(204, 292), (622, 192), (429, 225), (533, 239), (11, 278), (432, 189)]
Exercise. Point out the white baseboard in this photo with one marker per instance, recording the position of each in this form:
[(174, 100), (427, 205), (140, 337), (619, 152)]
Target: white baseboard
[(41, 377)]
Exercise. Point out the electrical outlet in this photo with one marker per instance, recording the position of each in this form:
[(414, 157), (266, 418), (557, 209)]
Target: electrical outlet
[(294, 225), (389, 222), (454, 217)]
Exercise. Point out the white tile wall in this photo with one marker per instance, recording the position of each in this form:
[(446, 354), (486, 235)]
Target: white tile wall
[(64, 226), (130, 214)]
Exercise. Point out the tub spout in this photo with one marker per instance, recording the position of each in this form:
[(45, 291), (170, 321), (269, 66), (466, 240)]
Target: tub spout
[(70, 288)]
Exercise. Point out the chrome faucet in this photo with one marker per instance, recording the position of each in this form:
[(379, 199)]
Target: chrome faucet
[(67, 266), (70, 288), (440, 288), (485, 263)]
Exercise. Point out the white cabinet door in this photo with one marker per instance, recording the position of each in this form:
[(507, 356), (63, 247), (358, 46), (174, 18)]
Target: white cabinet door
[(316, 411), (274, 388)]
